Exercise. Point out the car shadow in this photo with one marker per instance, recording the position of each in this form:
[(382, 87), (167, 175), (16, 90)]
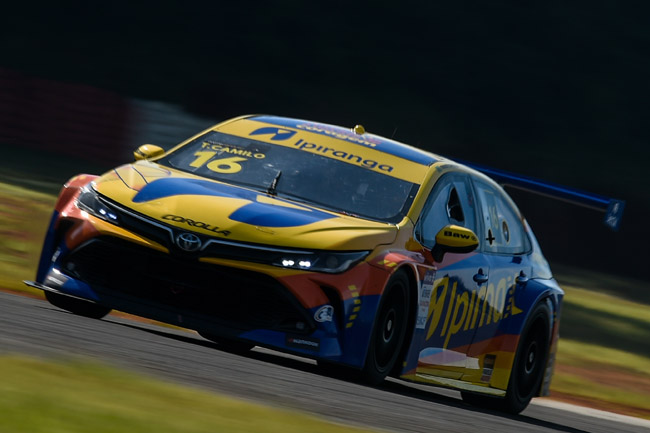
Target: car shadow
[(392, 385)]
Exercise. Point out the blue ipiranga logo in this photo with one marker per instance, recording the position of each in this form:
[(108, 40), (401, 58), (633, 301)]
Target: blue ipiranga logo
[(279, 134)]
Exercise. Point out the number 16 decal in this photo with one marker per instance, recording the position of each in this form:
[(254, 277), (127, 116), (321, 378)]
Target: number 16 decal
[(223, 165)]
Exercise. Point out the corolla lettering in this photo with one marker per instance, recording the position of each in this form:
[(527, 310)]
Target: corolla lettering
[(198, 224)]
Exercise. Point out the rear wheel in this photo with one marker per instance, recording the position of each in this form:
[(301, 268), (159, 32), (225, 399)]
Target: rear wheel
[(528, 367), (77, 306), (226, 344), (388, 331)]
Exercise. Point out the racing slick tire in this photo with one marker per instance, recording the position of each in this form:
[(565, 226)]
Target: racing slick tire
[(233, 346), (528, 367), (77, 306), (389, 330)]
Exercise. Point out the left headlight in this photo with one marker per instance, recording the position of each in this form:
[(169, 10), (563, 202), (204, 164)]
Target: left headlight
[(322, 261), (90, 202)]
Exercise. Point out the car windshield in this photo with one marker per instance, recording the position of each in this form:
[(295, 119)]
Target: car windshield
[(296, 174)]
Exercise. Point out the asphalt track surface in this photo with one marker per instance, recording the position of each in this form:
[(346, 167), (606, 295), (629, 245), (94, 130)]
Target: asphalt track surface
[(34, 327)]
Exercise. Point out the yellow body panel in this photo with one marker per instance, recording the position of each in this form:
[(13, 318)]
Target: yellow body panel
[(332, 147), (337, 232)]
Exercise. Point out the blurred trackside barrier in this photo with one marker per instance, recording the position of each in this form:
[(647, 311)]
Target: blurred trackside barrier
[(84, 121)]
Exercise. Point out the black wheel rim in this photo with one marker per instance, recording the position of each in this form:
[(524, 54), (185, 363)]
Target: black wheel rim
[(531, 362), (389, 328), (531, 357)]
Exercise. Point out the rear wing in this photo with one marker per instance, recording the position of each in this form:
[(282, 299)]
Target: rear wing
[(613, 208)]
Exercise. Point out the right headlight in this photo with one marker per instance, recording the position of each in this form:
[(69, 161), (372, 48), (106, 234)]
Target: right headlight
[(90, 202), (321, 261)]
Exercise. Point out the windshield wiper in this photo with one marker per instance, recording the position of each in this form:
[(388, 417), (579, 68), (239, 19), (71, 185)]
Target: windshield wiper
[(273, 188)]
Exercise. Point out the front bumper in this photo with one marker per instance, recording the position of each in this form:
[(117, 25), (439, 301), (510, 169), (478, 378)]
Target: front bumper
[(269, 306)]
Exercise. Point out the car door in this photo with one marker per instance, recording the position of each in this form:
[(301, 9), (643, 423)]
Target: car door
[(457, 282), (506, 247)]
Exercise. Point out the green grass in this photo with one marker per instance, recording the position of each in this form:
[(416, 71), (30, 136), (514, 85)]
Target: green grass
[(612, 398), (24, 216), (604, 354), (609, 378), (615, 285), (78, 396), (576, 353), (604, 320)]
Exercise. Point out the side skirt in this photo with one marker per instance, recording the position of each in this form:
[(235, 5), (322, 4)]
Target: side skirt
[(453, 383)]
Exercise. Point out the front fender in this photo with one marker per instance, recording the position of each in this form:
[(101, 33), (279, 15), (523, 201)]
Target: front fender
[(357, 333), (68, 192)]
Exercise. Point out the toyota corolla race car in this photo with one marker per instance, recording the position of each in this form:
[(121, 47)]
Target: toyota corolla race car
[(361, 252)]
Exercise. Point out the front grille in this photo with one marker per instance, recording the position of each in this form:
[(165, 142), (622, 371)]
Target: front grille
[(165, 234), (239, 299), (140, 224)]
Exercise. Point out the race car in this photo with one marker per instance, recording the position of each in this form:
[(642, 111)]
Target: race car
[(371, 256)]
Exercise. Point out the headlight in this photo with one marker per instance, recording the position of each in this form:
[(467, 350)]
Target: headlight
[(324, 261), (89, 201)]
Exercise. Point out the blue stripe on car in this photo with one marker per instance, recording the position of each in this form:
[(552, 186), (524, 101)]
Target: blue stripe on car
[(253, 213)]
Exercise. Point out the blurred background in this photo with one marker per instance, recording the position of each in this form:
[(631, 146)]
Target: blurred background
[(555, 91)]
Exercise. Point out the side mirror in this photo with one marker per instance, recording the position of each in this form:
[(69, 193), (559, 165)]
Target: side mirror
[(147, 151), (454, 239)]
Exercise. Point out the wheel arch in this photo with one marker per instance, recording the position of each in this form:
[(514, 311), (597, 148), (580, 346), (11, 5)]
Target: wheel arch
[(534, 292), (540, 292)]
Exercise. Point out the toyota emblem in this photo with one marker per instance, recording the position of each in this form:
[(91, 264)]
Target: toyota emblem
[(188, 242)]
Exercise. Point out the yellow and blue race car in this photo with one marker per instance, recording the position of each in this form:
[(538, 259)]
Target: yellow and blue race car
[(358, 251)]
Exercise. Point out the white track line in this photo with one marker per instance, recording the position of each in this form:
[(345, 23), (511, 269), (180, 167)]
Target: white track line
[(595, 413)]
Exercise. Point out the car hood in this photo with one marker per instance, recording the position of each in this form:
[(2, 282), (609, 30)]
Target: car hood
[(220, 210)]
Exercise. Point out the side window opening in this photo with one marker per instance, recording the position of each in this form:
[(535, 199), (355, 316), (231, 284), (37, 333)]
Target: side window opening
[(504, 230), (454, 209), (451, 202)]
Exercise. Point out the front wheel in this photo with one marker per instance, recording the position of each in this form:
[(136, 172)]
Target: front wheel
[(77, 306), (528, 367), (388, 331)]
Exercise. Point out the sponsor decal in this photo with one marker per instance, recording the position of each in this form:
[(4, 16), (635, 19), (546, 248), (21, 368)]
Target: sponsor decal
[(426, 288), (367, 140), (324, 314), (339, 133), (301, 342), (188, 242), (279, 134), (343, 156), (193, 223), (488, 367), (471, 309), (231, 149), (614, 214), (452, 234)]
